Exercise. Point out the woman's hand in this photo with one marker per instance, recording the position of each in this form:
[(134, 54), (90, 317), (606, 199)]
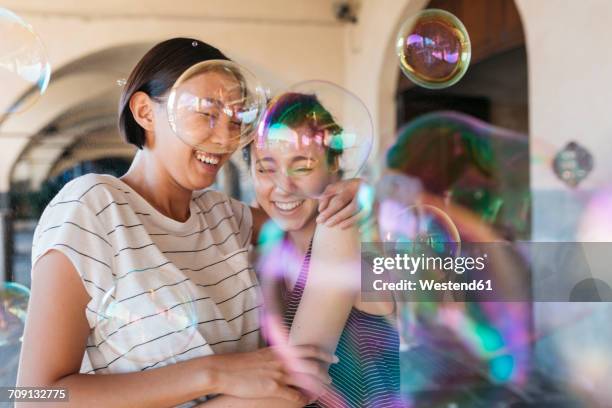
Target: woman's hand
[(344, 203), (275, 372)]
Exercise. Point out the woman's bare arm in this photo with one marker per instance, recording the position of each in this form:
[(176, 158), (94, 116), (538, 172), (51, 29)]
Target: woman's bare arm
[(333, 284), (54, 343), (55, 339), (225, 401), (331, 290)]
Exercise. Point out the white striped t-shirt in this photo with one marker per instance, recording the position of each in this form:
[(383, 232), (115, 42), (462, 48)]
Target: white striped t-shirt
[(174, 290)]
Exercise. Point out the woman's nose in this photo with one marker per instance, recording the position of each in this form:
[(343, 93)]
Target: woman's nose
[(222, 135), (284, 184)]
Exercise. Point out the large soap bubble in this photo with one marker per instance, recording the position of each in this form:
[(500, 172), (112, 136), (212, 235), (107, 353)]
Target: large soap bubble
[(125, 323), (434, 49), (23, 62), (470, 163), (313, 134), (215, 106), (13, 307)]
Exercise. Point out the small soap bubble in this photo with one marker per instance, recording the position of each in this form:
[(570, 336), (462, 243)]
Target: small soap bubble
[(23, 62), (434, 49), (424, 228), (13, 308), (130, 325), (573, 164)]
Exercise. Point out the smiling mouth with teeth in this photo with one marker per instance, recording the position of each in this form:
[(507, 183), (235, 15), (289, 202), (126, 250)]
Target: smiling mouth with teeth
[(208, 158), (288, 206)]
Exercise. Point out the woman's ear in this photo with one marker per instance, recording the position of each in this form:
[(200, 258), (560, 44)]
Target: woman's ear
[(142, 109), (335, 164)]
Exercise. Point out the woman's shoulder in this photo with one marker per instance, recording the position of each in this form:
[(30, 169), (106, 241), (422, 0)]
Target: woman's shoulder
[(88, 192), (336, 238), (337, 249), (92, 184)]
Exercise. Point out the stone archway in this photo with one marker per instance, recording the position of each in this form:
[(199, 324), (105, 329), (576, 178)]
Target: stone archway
[(74, 122)]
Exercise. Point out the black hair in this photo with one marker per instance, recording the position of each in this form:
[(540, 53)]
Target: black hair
[(155, 74)]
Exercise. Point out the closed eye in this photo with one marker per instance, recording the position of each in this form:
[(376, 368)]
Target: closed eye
[(266, 170), (209, 115), (302, 170)]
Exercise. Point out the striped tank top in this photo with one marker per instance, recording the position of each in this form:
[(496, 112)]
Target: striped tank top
[(368, 372)]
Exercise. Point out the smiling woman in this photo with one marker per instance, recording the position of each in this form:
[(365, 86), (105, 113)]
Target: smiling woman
[(296, 149), (293, 165), (172, 110), (312, 269), (159, 299)]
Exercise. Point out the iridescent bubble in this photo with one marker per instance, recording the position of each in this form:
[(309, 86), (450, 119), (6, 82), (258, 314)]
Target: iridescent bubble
[(151, 327), (215, 106), (13, 308), (465, 161), (573, 164), (313, 134), (479, 175), (24, 67), (434, 49), (421, 227), (275, 256), (494, 333)]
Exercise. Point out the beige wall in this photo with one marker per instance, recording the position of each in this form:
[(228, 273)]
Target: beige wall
[(371, 68), (570, 99), (570, 81)]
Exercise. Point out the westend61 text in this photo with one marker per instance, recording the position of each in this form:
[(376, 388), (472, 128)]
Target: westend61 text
[(433, 285)]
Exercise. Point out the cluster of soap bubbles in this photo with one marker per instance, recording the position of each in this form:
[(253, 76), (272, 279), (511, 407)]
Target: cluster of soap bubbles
[(24, 67), (456, 180)]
